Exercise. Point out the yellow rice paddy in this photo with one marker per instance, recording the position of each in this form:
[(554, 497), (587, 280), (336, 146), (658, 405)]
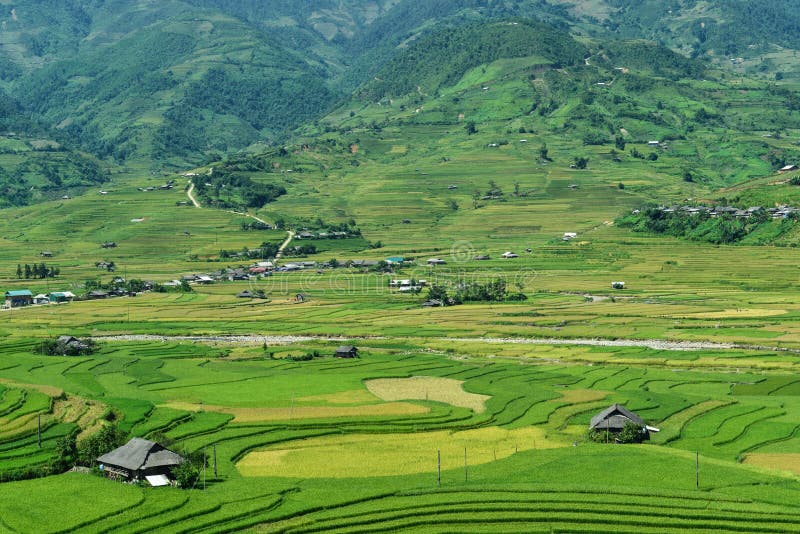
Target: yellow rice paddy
[(446, 390)]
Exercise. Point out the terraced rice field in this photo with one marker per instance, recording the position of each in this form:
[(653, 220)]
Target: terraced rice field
[(369, 455), (528, 461)]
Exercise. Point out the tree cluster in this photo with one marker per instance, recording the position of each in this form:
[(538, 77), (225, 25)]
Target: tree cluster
[(721, 230), (226, 189), (56, 347), (35, 271), (492, 291), (263, 251)]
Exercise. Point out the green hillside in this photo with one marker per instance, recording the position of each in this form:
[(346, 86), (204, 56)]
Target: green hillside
[(441, 59), (183, 82)]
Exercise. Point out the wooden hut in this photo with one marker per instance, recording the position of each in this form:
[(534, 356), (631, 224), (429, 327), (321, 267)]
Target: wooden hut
[(139, 459)]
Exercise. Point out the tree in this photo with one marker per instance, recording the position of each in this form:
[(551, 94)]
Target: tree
[(437, 292), (452, 204), (66, 453), (631, 433), (19, 271), (471, 128), (27, 271), (581, 162), (108, 438), (543, 152), (516, 189), (619, 142), (186, 474)]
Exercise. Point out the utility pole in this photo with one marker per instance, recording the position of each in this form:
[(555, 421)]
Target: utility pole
[(215, 460), (204, 468), (439, 468), (697, 469)]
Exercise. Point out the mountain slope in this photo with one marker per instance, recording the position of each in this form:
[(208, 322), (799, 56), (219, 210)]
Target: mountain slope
[(179, 86), (176, 82), (442, 58)]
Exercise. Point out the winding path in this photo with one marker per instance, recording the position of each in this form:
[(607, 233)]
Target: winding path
[(283, 246), (191, 196)]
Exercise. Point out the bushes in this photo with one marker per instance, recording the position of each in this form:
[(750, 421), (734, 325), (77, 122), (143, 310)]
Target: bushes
[(68, 346), (186, 474), (631, 433)]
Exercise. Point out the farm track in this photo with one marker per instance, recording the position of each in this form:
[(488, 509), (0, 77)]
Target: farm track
[(191, 196), (290, 234), (654, 344), (284, 244)]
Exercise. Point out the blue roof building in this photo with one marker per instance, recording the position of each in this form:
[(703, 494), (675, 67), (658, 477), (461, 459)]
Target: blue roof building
[(18, 297)]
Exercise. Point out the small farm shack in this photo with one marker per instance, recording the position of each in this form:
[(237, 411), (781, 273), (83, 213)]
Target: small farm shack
[(615, 418), (139, 459), (346, 351), (61, 296)]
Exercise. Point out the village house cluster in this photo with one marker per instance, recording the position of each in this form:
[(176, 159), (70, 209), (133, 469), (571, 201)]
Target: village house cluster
[(779, 212), (24, 297)]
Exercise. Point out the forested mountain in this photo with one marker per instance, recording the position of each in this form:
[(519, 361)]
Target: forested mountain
[(723, 27), (172, 82), (441, 58)]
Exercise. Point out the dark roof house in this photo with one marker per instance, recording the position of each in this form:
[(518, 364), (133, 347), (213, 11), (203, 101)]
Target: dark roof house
[(71, 342), (139, 458), (614, 418), (346, 351)]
